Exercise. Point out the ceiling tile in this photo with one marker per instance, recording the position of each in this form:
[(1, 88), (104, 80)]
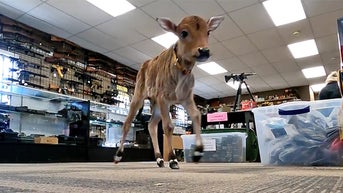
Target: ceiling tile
[(295, 79), (100, 39), (331, 58), (310, 61), (219, 52), (325, 24), (57, 18), (316, 7), (252, 19), (140, 3), (121, 59), (273, 79), (266, 39), (125, 35), (302, 28), (133, 54), (24, 6), (148, 47), (135, 19), (231, 64), (86, 44), (286, 66), (162, 8), (77, 8), (264, 69), (9, 11), (240, 45), (233, 5), (204, 9), (227, 30), (277, 54), (210, 80), (253, 59), (198, 73), (327, 43), (43, 26)]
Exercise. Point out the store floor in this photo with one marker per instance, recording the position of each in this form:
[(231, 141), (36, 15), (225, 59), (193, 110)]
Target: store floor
[(146, 177)]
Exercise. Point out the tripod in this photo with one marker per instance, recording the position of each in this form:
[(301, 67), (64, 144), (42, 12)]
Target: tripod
[(239, 94), (241, 78)]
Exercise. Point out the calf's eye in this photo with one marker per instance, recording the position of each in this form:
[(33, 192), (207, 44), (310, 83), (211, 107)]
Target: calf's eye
[(183, 34)]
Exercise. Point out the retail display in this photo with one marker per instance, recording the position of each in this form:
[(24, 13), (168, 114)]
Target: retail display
[(30, 116), (40, 60)]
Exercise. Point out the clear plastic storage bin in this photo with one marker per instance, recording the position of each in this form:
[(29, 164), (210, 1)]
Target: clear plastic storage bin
[(299, 133), (218, 147)]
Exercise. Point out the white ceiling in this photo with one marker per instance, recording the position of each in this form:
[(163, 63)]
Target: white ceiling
[(246, 41)]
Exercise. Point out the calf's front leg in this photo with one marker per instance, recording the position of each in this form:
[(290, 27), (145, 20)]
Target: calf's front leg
[(195, 115), (168, 129)]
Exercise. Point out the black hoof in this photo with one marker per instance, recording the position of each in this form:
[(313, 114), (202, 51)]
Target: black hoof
[(198, 153), (160, 162), (117, 158), (174, 164)]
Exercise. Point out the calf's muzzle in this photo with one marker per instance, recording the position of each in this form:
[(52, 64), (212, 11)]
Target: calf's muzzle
[(204, 54)]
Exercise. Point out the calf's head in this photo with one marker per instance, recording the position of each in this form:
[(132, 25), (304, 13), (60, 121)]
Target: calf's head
[(193, 32)]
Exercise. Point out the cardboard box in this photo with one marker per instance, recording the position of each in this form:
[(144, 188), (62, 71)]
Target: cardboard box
[(176, 144), (46, 140), (299, 133)]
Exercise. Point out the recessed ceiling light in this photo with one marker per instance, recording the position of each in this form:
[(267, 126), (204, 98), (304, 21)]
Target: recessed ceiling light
[(113, 7), (317, 87), (212, 68), (235, 85), (314, 72), (284, 12), (303, 49), (166, 40)]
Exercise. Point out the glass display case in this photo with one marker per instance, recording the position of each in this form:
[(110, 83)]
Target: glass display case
[(29, 113)]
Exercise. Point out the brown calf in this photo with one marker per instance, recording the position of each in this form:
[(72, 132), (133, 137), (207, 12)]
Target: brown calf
[(167, 79)]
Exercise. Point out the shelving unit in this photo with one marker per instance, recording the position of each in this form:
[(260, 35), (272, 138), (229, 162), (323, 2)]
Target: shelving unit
[(35, 113), (276, 101)]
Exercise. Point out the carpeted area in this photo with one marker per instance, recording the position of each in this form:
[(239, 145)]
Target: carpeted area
[(146, 177)]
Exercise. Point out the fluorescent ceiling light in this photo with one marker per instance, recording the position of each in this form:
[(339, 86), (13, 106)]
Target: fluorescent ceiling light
[(113, 7), (212, 68), (284, 11), (303, 49), (314, 72), (235, 85), (166, 40), (317, 87)]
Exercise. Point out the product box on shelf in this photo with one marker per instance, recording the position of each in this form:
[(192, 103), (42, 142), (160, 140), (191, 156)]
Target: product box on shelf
[(218, 147), (46, 140), (300, 133)]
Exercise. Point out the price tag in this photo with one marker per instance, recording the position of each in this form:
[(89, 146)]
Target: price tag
[(217, 117), (209, 144)]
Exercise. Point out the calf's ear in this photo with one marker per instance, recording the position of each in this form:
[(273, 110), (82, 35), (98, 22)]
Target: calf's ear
[(166, 24), (214, 22)]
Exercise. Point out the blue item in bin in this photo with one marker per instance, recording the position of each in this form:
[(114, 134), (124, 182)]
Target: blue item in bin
[(294, 111), (278, 132)]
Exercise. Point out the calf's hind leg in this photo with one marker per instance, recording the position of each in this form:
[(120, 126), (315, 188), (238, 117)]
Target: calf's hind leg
[(155, 119)]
